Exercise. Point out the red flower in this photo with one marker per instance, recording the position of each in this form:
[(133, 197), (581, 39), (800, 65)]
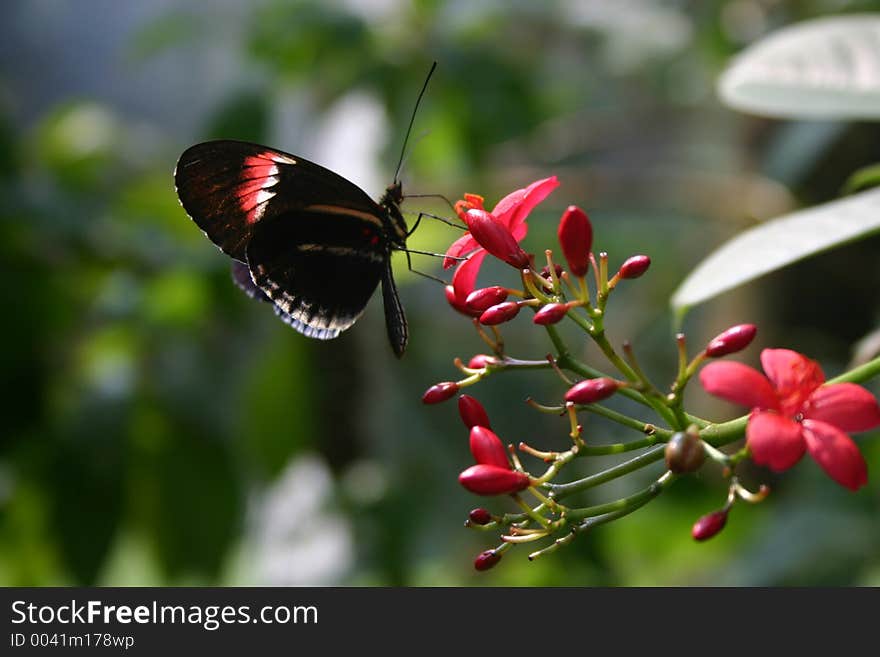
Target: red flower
[(510, 213), (793, 412)]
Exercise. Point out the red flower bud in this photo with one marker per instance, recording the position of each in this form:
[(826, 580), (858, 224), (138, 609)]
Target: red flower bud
[(440, 392), (576, 239), (734, 339), (487, 448), (499, 314), (550, 314), (709, 525), (486, 297), (472, 412), (455, 303), (684, 452), (496, 238), (486, 559), (591, 390), (480, 361), (484, 479), (480, 516), (634, 267)]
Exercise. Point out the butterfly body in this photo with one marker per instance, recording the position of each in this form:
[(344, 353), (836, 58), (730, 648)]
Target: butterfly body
[(301, 236)]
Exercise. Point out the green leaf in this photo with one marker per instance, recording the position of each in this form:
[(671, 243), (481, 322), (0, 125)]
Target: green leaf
[(825, 68), (778, 243)]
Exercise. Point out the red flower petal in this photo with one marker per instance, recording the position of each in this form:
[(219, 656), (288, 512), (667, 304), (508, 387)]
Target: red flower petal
[(460, 247), (513, 209), (847, 406), (496, 238), (740, 384), (836, 453), (775, 441), (463, 282), (794, 376)]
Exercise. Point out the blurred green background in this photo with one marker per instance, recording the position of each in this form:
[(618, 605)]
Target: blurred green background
[(160, 428)]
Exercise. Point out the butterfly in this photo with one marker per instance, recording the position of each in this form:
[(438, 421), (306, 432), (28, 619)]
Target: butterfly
[(300, 236)]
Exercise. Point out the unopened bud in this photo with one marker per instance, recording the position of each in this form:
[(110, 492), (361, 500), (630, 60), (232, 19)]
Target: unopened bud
[(709, 525), (486, 559), (487, 447), (634, 267), (484, 479), (734, 339), (576, 239), (480, 516), (480, 361), (592, 390), (486, 297), (440, 392), (472, 412), (552, 313), (499, 314)]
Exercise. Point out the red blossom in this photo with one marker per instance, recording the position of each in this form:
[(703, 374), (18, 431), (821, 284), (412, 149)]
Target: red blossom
[(794, 411), (576, 239), (510, 213)]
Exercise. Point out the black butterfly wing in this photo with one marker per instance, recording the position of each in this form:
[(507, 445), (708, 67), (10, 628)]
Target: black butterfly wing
[(319, 266), (229, 187)]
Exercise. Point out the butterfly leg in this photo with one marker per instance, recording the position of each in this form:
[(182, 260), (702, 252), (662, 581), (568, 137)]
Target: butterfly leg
[(433, 216)]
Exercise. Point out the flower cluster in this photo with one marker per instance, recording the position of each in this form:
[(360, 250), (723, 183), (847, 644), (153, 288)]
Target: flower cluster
[(793, 409)]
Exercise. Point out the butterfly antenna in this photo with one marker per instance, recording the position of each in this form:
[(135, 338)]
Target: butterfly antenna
[(412, 120)]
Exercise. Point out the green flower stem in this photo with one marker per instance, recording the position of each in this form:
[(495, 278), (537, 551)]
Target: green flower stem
[(628, 503), (559, 491), (638, 500), (625, 420), (861, 373), (620, 448), (566, 361)]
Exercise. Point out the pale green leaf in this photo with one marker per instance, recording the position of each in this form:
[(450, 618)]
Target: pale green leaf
[(825, 68), (778, 243)]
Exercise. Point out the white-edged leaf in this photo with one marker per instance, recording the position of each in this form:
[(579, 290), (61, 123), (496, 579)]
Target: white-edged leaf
[(777, 243), (824, 68)]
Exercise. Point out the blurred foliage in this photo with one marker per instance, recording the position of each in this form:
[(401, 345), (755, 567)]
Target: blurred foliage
[(160, 428)]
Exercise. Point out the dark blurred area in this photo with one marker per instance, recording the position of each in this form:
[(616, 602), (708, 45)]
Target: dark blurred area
[(162, 429)]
